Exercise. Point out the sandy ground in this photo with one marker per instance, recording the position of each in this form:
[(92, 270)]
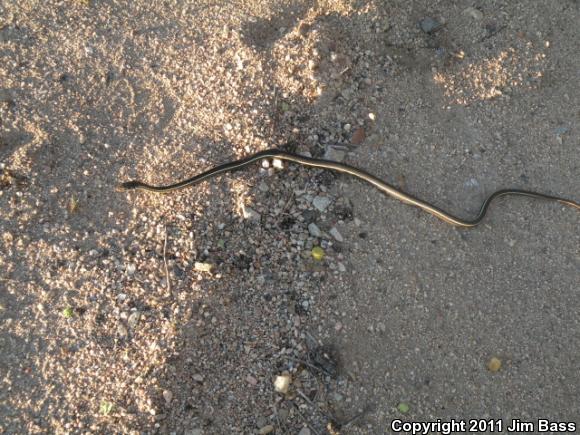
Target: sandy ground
[(137, 313)]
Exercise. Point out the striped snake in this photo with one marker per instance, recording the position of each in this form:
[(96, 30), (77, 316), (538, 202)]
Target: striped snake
[(345, 169)]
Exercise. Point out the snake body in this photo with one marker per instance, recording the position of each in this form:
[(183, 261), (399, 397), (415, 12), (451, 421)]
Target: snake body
[(346, 169)]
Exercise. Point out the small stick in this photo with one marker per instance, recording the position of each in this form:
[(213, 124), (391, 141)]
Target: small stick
[(168, 283), (311, 403), (291, 358)]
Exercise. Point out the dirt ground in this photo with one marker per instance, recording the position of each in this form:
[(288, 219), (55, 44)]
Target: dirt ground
[(184, 313)]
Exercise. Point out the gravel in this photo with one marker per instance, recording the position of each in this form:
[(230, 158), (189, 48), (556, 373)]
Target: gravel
[(128, 312)]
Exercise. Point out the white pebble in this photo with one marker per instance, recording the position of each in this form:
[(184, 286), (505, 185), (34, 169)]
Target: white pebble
[(314, 230), (203, 267), (282, 383), (334, 233), (134, 319), (168, 396), (250, 213), (321, 203)]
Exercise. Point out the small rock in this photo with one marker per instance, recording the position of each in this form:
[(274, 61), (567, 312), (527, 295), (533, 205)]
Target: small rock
[(341, 267), (303, 29), (134, 319), (282, 383), (318, 253), (321, 203), (250, 213), (122, 330), (304, 431), (473, 13), (472, 182), (494, 364), (203, 267), (358, 136), (337, 236), (429, 25), (278, 164), (334, 153), (198, 378), (168, 396), (266, 430), (131, 269), (314, 230), (347, 127), (263, 187), (251, 380), (196, 431)]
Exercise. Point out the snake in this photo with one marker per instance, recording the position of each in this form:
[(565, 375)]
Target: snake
[(344, 168)]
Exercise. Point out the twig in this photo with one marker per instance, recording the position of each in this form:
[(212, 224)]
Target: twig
[(319, 369), (168, 282), (491, 34), (365, 411), (314, 405)]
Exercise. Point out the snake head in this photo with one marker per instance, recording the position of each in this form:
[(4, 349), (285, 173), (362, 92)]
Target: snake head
[(127, 185)]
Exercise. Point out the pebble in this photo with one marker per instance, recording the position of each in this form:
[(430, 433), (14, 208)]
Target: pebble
[(304, 431), (282, 383), (266, 430), (303, 29), (168, 396), (358, 136), (278, 164), (198, 378), (337, 236), (429, 25), (134, 319), (334, 153), (263, 187), (494, 364), (122, 330), (251, 380), (314, 230), (250, 213), (131, 269), (203, 267), (341, 267), (321, 203), (472, 182)]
